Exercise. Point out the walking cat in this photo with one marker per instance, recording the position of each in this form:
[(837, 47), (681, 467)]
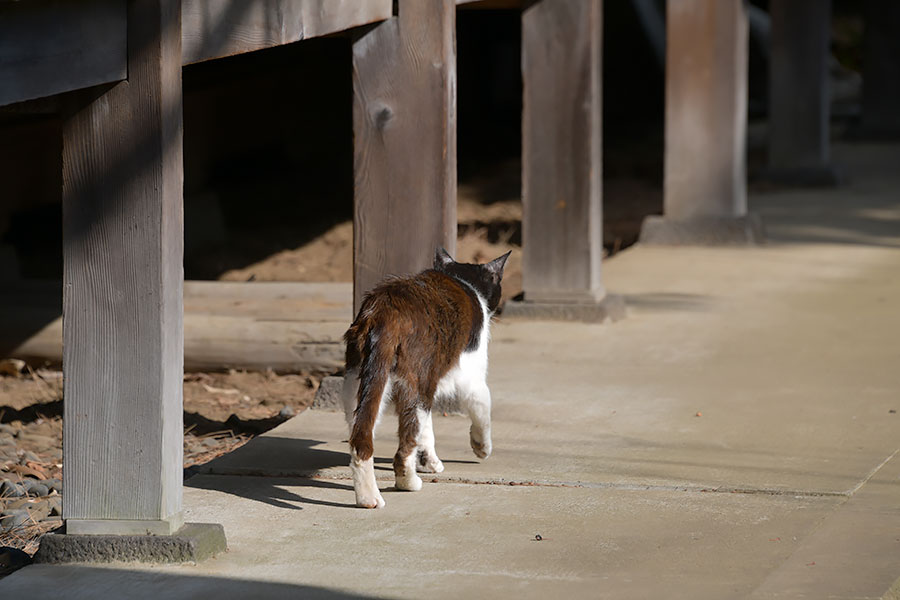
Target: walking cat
[(416, 339)]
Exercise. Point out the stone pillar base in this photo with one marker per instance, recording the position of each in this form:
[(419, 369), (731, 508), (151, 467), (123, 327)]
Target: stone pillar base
[(821, 176), (709, 231), (192, 543), (611, 306)]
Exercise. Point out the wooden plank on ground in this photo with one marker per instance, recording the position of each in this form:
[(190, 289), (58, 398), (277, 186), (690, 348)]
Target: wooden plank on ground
[(561, 151), (287, 326), (404, 122), (217, 28), (52, 46), (122, 289)]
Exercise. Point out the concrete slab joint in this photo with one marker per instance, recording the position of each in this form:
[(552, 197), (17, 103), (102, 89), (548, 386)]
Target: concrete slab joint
[(193, 542)]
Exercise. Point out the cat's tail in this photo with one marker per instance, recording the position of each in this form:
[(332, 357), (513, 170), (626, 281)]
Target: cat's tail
[(375, 352)]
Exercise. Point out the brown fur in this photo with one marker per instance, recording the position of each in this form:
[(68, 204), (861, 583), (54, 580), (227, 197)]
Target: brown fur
[(412, 328)]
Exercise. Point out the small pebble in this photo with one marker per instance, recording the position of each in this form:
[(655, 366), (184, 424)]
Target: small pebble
[(30, 456), (13, 518), (10, 489), (893, 411), (36, 488), (538, 537), (286, 413), (54, 484)]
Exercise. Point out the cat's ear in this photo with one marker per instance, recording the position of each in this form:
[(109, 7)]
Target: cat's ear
[(496, 265), (442, 258)]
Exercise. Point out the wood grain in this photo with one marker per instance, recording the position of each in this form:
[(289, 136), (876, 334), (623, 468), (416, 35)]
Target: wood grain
[(53, 46), (561, 151), (706, 109), (217, 28), (122, 283), (404, 123)]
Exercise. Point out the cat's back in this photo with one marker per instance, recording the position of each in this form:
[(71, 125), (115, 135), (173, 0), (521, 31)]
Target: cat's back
[(428, 309), (429, 295)]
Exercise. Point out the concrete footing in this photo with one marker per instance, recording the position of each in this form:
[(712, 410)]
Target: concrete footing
[(708, 231), (194, 542), (611, 306)]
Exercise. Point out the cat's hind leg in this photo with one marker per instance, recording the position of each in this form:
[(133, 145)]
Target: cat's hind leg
[(362, 430), (479, 405), (405, 460), (427, 460), (349, 391)]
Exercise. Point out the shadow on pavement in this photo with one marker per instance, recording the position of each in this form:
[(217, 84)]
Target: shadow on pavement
[(76, 582)]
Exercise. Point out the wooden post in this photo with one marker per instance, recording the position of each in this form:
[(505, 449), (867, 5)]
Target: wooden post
[(799, 96), (122, 297), (404, 122), (705, 191), (881, 70), (562, 221)]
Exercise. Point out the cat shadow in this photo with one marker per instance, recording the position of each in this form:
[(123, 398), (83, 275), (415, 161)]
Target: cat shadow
[(260, 471), (272, 490)]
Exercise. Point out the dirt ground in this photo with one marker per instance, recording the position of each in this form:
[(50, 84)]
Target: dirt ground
[(222, 411)]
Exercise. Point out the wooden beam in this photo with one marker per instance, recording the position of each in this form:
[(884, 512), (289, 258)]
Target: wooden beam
[(217, 28), (705, 187), (52, 46), (404, 122), (562, 220), (799, 92), (122, 289)]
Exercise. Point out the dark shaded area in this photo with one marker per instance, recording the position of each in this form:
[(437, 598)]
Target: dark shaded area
[(269, 490), (31, 413), (81, 582), (200, 425), (268, 146)]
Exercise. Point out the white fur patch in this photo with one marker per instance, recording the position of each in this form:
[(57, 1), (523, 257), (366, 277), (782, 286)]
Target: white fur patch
[(468, 377)]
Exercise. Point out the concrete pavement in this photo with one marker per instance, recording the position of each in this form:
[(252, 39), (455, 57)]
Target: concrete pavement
[(736, 436)]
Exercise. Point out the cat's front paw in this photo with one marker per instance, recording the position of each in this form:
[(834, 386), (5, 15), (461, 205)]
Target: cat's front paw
[(369, 500), (409, 482)]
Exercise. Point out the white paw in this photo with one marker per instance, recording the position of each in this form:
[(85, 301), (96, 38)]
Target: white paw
[(429, 463), (482, 449), (369, 500), (409, 483)]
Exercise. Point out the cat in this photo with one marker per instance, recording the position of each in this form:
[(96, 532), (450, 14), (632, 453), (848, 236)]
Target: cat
[(414, 339)]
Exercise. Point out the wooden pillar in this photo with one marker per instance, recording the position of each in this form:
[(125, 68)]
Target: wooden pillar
[(705, 190), (404, 122), (122, 302), (562, 221), (881, 70), (799, 94)]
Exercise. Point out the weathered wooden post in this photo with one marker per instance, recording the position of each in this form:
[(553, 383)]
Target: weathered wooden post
[(562, 221), (404, 122), (705, 190), (799, 93), (122, 304), (881, 70)]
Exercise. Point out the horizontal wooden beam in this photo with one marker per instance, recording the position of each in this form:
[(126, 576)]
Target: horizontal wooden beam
[(49, 47), (217, 28)]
